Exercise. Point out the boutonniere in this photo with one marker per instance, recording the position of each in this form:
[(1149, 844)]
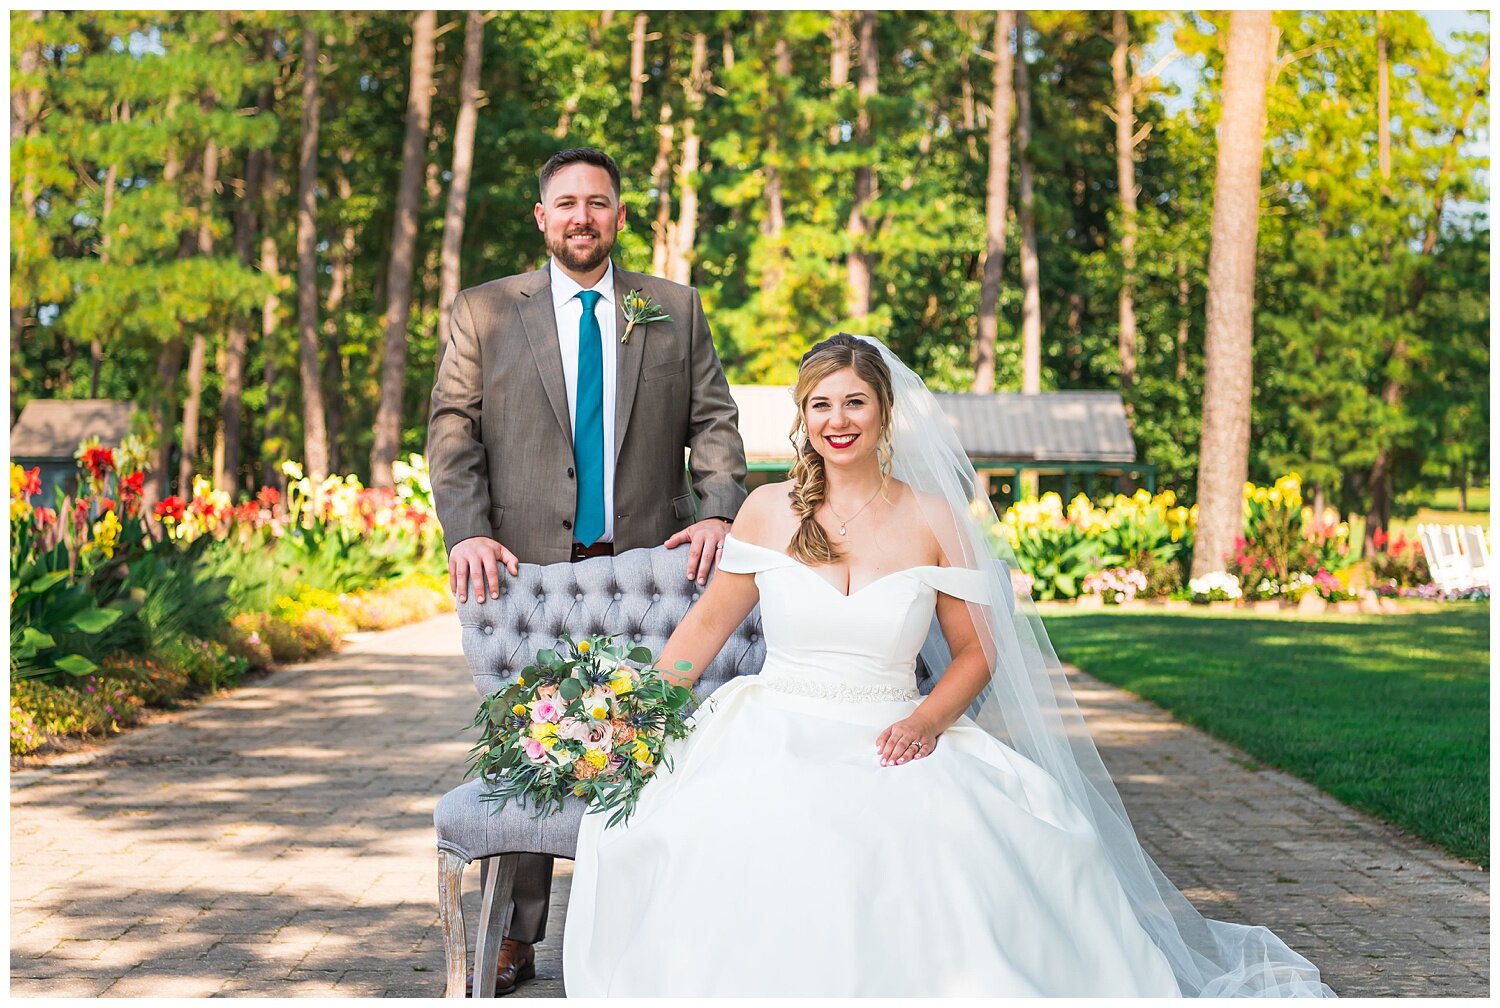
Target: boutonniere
[(639, 309)]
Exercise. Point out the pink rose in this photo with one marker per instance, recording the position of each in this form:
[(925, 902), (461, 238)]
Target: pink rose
[(597, 735), (536, 751), (546, 710)]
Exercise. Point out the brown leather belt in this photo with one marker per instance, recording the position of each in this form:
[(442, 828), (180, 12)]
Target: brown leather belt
[(582, 552)]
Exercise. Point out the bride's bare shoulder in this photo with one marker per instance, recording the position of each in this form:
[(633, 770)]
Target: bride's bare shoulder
[(765, 516), (931, 521)]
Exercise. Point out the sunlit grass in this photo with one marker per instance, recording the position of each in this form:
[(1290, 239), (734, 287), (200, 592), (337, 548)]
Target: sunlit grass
[(1387, 713)]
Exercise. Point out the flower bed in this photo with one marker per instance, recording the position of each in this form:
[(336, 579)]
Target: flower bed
[(1122, 549), (112, 613)]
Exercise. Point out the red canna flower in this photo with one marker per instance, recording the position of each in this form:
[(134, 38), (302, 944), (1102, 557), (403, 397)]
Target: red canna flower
[(81, 511), (106, 504), (99, 461), (268, 497), (133, 485), (171, 509), (45, 517), (33, 485), (1379, 539)]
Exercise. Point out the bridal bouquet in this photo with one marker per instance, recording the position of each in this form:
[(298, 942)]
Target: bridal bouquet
[(579, 722)]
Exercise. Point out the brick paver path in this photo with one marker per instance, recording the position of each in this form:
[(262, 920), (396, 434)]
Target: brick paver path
[(278, 841)]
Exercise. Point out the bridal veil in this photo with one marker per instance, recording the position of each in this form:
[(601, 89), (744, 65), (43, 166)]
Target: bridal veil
[(1029, 705)]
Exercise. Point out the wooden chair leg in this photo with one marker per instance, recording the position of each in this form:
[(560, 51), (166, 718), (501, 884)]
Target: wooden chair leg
[(451, 914), (497, 880)]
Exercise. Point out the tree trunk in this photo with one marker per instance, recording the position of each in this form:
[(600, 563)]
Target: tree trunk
[(341, 266), (168, 367), (106, 234), (1183, 321), (663, 234), (968, 106), (1125, 162), (199, 350), (997, 193), (1379, 515), (838, 66), (1223, 453), (681, 269), (1031, 282), (403, 251), (314, 433), (859, 268), (270, 311), (774, 223), (637, 64), (463, 171), (247, 222)]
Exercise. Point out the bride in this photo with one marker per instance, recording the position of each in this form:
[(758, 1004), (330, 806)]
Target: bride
[(829, 830)]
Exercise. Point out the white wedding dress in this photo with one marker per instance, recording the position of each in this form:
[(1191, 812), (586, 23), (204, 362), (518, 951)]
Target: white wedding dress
[(778, 857)]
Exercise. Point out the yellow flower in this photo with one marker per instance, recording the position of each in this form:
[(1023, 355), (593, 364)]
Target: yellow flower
[(641, 752), (599, 710), (545, 733), (19, 510), (1259, 495), (518, 709), (292, 469), (622, 684), (1249, 489), (1166, 498), (596, 758), (1142, 496), (584, 647)]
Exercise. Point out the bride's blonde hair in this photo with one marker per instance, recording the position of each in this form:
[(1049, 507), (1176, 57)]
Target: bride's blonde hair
[(811, 545)]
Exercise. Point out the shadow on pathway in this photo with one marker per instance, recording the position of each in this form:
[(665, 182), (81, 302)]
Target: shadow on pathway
[(278, 841)]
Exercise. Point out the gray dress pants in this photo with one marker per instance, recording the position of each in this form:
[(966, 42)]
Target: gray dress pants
[(530, 898)]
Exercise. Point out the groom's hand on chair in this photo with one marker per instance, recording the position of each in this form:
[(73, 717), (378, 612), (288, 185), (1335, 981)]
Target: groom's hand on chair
[(476, 562), (707, 536)]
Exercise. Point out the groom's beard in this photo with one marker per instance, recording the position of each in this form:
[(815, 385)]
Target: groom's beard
[(582, 262)]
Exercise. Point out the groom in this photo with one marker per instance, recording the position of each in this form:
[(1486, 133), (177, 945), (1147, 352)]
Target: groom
[(557, 429)]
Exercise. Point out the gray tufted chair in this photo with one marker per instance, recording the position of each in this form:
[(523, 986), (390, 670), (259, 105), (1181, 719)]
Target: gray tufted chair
[(643, 594)]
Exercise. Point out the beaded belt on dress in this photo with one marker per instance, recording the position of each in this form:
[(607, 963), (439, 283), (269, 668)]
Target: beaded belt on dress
[(823, 689)]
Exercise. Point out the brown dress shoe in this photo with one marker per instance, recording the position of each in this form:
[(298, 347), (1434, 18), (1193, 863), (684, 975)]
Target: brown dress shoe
[(516, 962)]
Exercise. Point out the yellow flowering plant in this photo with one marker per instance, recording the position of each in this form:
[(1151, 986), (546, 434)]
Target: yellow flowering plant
[(579, 721)]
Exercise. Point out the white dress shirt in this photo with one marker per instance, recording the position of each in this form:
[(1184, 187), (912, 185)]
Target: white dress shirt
[(569, 312)]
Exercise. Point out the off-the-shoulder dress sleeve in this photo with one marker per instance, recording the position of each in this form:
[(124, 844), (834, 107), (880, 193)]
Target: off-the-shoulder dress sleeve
[(960, 582), (742, 557)]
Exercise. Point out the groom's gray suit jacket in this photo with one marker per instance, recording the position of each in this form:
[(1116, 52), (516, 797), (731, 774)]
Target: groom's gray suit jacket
[(500, 438)]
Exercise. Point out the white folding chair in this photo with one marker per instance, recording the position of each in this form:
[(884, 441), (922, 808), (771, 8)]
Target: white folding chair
[(1478, 553), (1449, 567)]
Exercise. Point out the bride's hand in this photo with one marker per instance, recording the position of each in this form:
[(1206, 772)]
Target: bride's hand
[(908, 739)]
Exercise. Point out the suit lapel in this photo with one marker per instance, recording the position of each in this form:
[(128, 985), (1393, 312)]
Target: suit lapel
[(628, 356), (540, 322)]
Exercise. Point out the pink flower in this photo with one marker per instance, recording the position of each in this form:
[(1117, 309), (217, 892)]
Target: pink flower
[(536, 751), (546, 709)]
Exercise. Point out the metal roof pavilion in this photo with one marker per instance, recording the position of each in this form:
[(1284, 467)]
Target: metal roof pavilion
[(1004, 427)]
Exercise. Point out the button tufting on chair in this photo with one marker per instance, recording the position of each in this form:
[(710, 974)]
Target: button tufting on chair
[(513, 629)]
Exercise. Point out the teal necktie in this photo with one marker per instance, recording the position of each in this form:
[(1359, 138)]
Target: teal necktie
[(588, 425)]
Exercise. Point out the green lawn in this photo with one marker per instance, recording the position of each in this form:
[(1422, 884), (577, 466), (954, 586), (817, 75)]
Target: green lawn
[(1389, 713)]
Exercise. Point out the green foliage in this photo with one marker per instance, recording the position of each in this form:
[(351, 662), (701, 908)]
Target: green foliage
[(116, 111)]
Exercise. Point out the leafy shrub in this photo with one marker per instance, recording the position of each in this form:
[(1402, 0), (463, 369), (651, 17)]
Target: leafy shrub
[(91, 705), (208, 665)]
